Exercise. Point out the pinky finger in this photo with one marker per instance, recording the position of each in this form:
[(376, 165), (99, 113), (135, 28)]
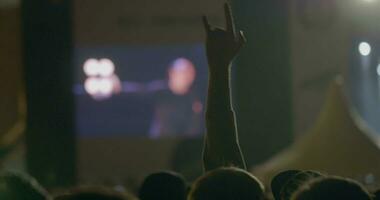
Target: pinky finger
[(206, 24)]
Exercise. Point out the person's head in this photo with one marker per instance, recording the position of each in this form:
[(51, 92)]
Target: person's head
[(376, 195), (331, 188), (181, 76), (227, 184), (94, 193), (295, 182), (163, 185), (280, 180), (17, 186)]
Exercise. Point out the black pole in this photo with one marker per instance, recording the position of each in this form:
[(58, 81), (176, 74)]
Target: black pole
[(47, 54)]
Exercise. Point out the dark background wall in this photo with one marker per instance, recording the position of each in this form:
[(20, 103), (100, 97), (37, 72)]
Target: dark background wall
[(262, 79)]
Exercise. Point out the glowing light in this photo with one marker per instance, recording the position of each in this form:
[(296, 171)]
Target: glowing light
[(103, 67), (91, 67), (91, 86), (105, 86), (99, 88), (378, 69), (101, 80), (364, 49), (106, 67)]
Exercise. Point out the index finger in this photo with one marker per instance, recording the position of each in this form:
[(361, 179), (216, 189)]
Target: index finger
[(229, 19), (206, 24)]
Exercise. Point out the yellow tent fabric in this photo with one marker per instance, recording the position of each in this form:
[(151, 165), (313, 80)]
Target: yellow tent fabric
[(12, 101), (338, 144)]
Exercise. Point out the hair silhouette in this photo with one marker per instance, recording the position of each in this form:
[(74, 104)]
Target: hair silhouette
[(331, 188), (94, 193), (163, 185), (296, 182), (227, 184), (279, 181), (17, 186)]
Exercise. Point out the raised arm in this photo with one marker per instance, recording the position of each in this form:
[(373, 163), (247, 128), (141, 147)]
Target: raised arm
[(221, 148)]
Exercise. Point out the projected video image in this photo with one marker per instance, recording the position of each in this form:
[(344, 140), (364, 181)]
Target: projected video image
[(147, 91), (364, 79)]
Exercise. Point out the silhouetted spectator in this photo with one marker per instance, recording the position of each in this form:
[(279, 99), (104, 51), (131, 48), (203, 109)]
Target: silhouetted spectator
[(297, 181), (376, 195), (280, 180), (222, 151), (163, 186), (331, 188), (221, 142), (94, 193), (17, 186), (226, 184)]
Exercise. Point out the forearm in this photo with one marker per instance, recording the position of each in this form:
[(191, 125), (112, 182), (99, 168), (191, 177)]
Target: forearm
[(221, 142), (220, 121)]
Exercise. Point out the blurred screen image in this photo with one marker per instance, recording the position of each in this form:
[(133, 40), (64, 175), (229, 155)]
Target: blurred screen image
[(364, 79), (144, 90)]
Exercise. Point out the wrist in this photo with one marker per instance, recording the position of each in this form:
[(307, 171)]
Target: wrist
[(219, 73), (218, 62)]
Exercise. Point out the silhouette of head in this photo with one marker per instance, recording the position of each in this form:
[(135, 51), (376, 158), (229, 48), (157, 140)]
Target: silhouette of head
[(331, 188), (94, 193), (280, 180), (16, 186), (295, 182), (181, 76), (163, 185), (376, 195), (227, 184)]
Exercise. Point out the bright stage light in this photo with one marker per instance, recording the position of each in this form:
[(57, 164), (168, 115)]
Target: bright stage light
[(99, 88), (107, 67), (364, 49), (105, 86), (91, 85), (91, 67), (103, 67), (101, 81)]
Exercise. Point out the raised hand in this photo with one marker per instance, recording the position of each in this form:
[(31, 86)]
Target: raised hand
[(221, 142), (222, 45)]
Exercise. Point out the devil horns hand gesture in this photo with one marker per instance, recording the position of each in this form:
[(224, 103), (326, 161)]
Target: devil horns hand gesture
[(222, 45), (221, 142)]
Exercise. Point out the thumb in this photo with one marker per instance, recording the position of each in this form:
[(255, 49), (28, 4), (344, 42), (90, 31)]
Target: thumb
[(241, 39)]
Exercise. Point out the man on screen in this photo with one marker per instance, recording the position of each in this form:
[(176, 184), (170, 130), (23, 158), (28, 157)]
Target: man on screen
[(178, 109)]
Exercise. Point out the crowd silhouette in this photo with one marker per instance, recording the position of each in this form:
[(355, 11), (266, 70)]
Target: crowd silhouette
[(226, 176)]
